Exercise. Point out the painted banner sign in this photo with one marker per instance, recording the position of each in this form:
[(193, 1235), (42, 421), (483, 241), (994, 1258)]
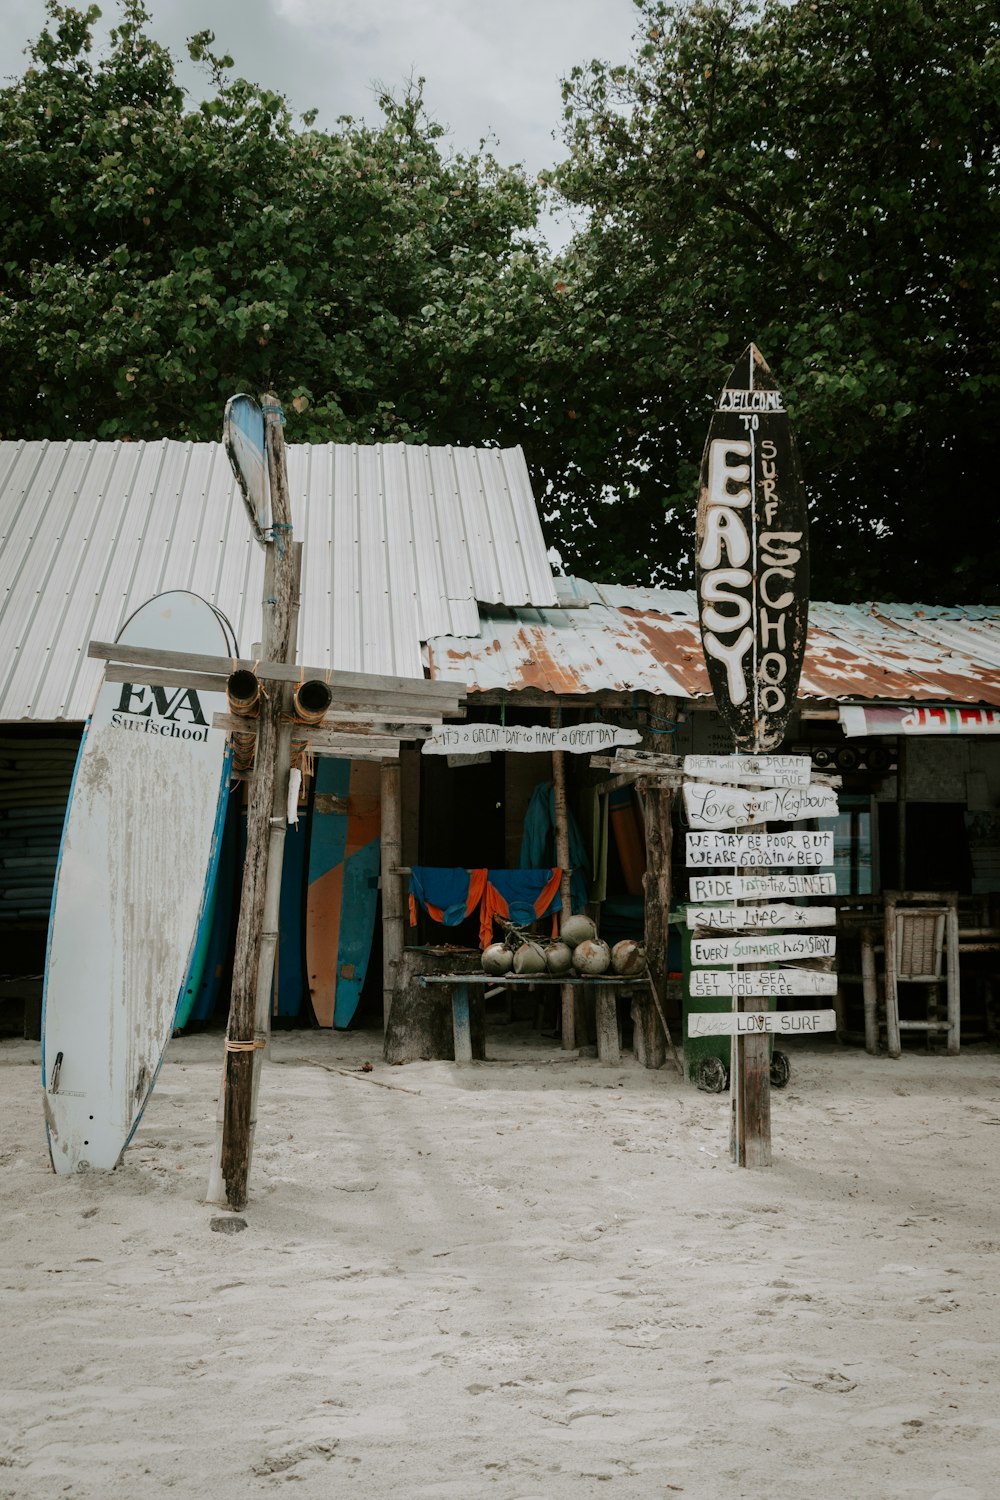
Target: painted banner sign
[(714, 983), (766, 887), (752, 562), (748, 1022), (750, 770), (578, 739), (759, 850), (768, 948), (858, 720), (243, 438), (737, 918), (711, 806)]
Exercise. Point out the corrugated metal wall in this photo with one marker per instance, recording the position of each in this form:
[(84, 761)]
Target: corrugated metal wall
[(400, 543)]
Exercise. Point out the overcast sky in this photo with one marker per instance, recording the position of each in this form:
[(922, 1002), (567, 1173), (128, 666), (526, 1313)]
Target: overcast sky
[(492, 69)]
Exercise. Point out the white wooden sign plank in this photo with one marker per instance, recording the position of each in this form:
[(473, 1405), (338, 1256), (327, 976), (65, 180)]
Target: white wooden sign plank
[(578, 739), (736, 918), (750, 770), (766, 887), (760, 850), (713, 983), (761, 949), (710, 806), (750, 1022)]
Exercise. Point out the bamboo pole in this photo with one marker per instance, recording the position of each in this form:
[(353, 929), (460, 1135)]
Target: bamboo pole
[(567, 994), (266, 818), (392, 883)]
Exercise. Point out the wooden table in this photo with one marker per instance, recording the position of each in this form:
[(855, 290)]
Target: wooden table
[(609, 1049)]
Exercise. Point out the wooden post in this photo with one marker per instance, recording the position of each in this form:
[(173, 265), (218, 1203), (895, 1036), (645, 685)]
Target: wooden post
[(392, 886), (657, 803), (566, 991), (901, 812), (608, 1039), (266, 816), (869, 988), (750, 1082)]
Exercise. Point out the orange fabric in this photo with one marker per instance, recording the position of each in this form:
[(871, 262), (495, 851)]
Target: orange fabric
[(494, 905), (477, 884), (548, 894)]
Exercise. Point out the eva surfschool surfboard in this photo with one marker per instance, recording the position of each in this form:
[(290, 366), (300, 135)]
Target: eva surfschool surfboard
[(139, 845)]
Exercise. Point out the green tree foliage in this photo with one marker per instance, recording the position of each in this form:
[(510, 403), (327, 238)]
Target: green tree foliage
[(819, 177), (158, 256)]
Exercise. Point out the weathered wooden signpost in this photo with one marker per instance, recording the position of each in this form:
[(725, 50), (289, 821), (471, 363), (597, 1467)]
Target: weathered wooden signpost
[(752, 576)]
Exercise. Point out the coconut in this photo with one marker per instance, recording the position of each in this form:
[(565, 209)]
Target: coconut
[(497, 959), (558, 958), (529, 959), (576, 930), (628, 957), (592, 956)]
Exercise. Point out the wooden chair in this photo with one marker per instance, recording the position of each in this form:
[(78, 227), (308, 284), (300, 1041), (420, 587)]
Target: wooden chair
[(921, 941)]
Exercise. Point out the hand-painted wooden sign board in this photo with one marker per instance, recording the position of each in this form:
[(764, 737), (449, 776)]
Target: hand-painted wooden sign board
[(243, 438), (750, 1022), (752, 563), (737, 918), (750, 770), (710, 806), (765, 887), (784, 983), (772, 947), (759, 850), (578, 739)]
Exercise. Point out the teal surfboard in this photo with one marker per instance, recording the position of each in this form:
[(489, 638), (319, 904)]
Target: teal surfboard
[(215, 932), (288, 985), (342, 891)]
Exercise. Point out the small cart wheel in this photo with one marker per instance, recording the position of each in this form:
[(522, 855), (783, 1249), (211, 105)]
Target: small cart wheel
[(781, 1070), (713, 1076)]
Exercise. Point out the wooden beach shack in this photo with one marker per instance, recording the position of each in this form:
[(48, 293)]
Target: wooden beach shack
[(431, 564)]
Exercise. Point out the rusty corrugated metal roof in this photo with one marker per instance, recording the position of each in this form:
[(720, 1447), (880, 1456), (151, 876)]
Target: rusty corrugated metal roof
[(614, 638), (400, 543)]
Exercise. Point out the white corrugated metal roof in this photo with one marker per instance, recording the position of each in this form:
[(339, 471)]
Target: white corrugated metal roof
[(400, 543), (613, 638)]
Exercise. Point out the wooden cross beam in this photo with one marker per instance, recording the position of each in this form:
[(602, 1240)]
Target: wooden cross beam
[(433, 698)]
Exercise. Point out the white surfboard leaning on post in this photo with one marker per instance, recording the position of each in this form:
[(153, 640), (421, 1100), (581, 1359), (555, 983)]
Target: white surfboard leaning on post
[(139, 849)]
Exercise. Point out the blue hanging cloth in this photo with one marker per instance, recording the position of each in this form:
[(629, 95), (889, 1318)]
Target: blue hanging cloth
[(539, 838)]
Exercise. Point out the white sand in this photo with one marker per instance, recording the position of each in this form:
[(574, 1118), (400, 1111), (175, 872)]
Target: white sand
[(539, 1280)]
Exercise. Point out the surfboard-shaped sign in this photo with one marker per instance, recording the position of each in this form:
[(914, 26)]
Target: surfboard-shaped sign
[(243, 438), (752, 560), (139, 847)]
